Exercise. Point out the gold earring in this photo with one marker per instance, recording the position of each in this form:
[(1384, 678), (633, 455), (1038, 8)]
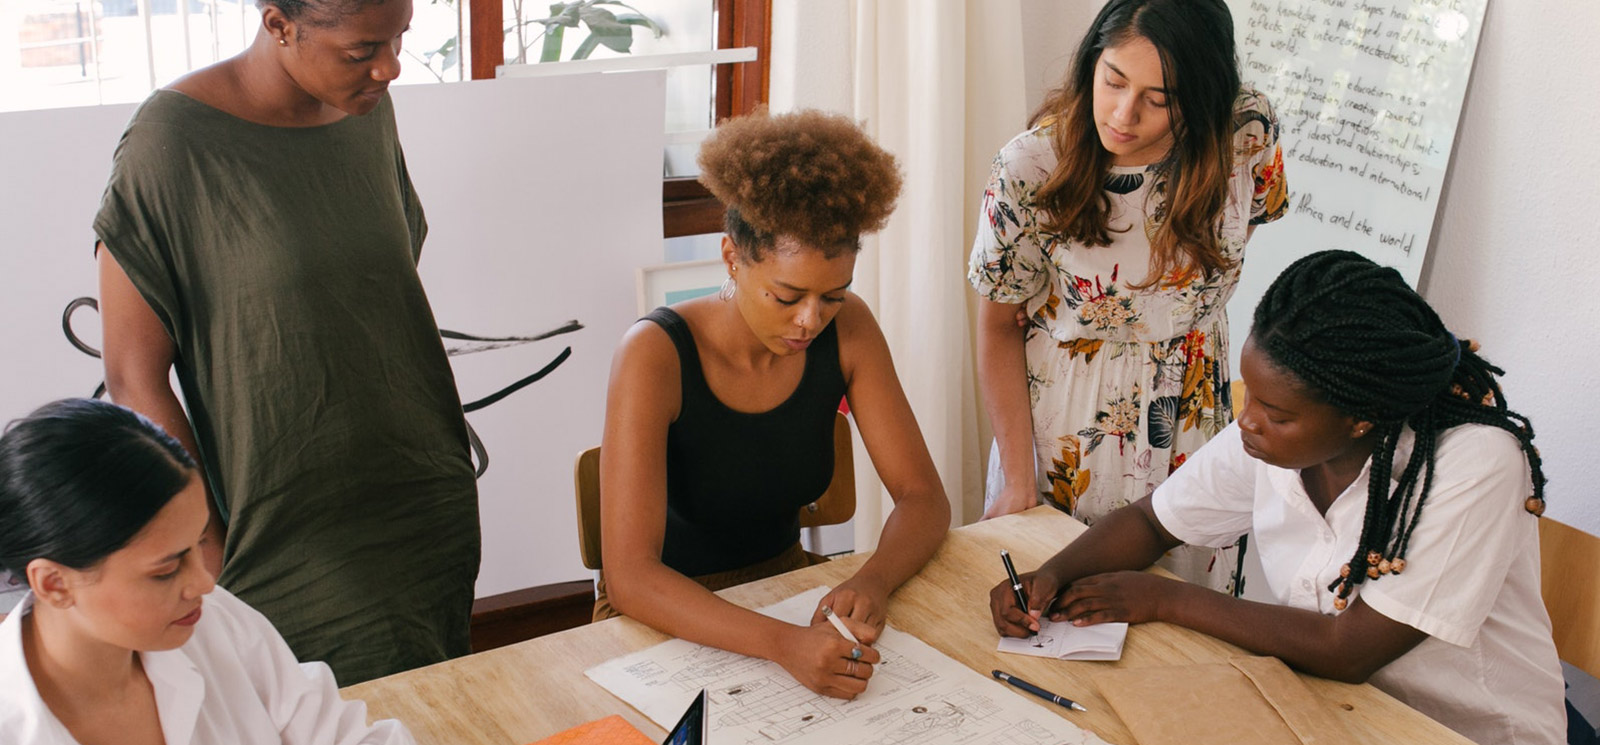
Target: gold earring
[(282, 42)]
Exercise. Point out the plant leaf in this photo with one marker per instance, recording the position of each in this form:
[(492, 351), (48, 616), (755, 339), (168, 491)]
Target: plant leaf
[(552, 44), (451, 57), (587, 47), (605, 29), (638, 20)]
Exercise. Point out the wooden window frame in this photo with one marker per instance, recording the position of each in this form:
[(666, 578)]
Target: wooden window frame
[(687, 208)]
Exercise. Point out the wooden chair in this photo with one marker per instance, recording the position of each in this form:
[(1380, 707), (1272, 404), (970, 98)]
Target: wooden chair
[(1568, 559), (1236, 392), (835, 506)]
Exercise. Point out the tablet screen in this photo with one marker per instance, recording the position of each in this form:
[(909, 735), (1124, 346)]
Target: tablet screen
[(690, 729)]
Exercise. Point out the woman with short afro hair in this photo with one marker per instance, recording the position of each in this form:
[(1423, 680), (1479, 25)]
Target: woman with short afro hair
[(719, 418)]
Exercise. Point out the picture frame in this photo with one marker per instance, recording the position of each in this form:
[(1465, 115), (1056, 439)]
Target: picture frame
[(665, 284)]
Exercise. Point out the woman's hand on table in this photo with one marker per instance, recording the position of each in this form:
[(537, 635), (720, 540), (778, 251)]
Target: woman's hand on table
[(826, 662), (1013, 500), (1129, 597), (861, 603), (1041, 588)]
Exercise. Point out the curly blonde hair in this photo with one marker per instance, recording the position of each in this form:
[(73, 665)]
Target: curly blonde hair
[(809, 175)]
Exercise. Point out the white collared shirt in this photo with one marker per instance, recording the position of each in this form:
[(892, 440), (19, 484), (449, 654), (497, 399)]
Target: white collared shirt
[(234, 682), (1488, 668)]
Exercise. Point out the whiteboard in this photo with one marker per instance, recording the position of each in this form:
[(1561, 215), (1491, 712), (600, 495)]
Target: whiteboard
[(543, 197), (1368, 95)]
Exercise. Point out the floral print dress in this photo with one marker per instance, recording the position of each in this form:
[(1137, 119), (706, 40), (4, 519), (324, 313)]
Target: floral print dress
[(1124, 382)]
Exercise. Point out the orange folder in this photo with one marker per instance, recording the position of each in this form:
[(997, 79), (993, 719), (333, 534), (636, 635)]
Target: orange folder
[(613, 730)]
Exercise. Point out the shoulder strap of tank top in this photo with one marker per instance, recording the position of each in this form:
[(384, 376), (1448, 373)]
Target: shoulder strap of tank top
[(823, 356), (678, 330)]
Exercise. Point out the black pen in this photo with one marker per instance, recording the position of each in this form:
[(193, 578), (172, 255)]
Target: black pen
[(1016, 584), (1037, 691)]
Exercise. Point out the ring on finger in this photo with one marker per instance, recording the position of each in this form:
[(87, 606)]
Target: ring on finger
[(855, 653), (851, 670)]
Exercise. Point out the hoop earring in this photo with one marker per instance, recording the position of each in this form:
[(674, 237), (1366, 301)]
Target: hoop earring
[(728, 287)]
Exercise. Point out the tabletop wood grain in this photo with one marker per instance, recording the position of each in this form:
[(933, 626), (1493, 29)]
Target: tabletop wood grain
[(521, 693)]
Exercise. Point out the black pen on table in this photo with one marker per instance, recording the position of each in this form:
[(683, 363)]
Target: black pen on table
[(1037, 691), (1016, 584)]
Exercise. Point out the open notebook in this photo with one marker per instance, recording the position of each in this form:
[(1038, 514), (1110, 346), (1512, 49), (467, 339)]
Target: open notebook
[(1063, 641)]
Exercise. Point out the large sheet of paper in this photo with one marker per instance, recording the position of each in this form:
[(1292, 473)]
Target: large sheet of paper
[(1368, 95), (917, 695)]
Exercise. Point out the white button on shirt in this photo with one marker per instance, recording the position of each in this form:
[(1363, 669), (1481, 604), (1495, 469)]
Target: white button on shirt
[(234, 682), (1488, 668)]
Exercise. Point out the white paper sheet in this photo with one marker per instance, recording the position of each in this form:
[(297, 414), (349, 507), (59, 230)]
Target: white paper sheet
[(1063, 641), (917, 695)]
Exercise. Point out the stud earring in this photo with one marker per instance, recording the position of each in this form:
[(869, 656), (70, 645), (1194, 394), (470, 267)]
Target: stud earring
[(282, 42)]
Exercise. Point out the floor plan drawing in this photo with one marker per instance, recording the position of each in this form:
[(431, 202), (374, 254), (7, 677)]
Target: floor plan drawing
[(917, 695)]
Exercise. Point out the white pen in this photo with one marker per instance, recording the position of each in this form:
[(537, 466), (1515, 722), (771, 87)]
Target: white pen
[(838, 624)]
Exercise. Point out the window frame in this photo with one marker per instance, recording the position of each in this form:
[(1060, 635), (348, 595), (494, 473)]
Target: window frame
[(687, 208)]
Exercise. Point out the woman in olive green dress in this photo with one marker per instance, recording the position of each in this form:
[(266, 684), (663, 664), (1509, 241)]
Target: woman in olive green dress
[(260, 236)]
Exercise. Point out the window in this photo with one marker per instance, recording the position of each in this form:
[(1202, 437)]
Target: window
[(687, 208), (58, 53)]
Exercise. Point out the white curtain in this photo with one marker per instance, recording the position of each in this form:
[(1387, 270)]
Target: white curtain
[(939, 83)]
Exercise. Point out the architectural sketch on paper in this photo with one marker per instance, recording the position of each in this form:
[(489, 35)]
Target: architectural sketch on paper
[(917, 695)]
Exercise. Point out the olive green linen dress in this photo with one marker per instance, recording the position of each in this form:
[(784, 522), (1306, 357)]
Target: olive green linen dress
[(283, 262)]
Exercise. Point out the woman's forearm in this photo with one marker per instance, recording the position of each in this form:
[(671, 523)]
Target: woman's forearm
[(1129, 538), (676, 605), (912, 533), (1305, 640), (1003, 380)]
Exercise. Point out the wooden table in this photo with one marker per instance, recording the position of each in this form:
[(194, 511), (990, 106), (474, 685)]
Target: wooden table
[(515, 695)]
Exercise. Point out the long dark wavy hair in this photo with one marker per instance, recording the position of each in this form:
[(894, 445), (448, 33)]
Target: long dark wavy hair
[(1201, 75), (1360, 338)]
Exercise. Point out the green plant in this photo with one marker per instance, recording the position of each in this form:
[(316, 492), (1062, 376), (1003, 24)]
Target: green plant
[(613, 30)]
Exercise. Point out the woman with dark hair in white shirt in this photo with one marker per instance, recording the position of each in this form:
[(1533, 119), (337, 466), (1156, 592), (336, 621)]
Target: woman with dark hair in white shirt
[(125, 637), (1393, 498)]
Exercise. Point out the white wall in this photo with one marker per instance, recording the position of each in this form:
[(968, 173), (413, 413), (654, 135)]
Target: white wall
[(1513, 263), (1051, 30), (1514, 257)]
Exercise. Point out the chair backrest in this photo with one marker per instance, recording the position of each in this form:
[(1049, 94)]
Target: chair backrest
[(1569, 559), (1236, 393), (836, 505), (586, 479)]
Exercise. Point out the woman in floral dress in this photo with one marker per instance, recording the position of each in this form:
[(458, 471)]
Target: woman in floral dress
[(1115, 231)]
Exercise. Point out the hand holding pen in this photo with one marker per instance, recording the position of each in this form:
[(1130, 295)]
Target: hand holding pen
[(860, 601), (1016, 583), (1016, 611), (825, 660)]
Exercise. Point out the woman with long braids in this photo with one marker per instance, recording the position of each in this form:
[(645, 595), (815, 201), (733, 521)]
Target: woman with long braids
[(1115, 232), (1393, 496)]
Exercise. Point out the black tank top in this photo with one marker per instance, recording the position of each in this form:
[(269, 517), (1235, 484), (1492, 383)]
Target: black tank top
[(736, 481)]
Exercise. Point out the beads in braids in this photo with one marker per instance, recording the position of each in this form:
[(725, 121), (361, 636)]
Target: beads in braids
[(1370, 346)]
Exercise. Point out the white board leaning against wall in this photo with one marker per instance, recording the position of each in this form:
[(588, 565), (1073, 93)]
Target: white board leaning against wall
[(1368, 95), (543, 196)]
